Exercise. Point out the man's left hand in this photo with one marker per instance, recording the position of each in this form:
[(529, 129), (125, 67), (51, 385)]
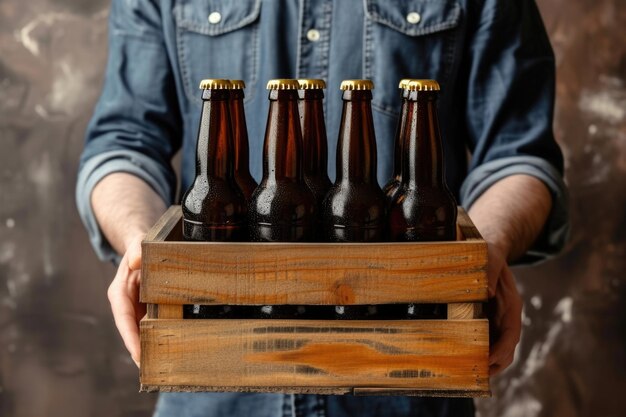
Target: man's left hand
[(504, 310)]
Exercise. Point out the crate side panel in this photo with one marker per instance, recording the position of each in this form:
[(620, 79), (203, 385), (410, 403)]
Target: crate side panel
[(165, 226), (320, 390), (466, 227), (248, 273), (418, 355)]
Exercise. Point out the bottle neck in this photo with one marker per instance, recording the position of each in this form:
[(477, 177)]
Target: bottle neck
[(356, 146), (215, 141), (397, 153), (240, 132), (315, 155), (282, 151), (423, 153)]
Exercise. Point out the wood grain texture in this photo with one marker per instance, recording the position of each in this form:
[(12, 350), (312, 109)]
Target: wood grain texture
[(320, 390), (465, 311), (289, 354), (170, 311), (466, 227), (152, 311), (176, 272), (165, 225)]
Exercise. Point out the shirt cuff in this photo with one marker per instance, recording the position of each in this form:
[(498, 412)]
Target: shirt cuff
[(556, 230), (98, 167)]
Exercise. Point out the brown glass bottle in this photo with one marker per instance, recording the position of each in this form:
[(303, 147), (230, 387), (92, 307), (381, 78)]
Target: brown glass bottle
[(315, 151), (424, 209), (214, 208), (392, 187), (244, 179), (354, 208), (282, 208)]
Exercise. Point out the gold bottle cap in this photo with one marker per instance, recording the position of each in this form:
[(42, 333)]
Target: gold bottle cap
[(283, 84), (404, 82), (423, 85), (311, 84), (237, 84), (215, 84), (357, 85)]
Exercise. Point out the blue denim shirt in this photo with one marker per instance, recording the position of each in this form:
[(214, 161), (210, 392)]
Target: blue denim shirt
[(492, 59)]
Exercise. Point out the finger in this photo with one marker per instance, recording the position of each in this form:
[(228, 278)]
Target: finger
[(126, 322), (514, 300), (134, 255), (492, 277), (499, 367), (505, 345), (496, 260)]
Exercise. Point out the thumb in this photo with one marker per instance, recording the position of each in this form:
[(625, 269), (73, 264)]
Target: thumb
[(496, 260), (133, 254)]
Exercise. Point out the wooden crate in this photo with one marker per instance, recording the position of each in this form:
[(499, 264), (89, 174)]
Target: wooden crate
[(398, 357)]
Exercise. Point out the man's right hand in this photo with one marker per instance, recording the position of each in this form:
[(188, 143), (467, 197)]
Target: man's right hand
[(126, 207), (123, 295)]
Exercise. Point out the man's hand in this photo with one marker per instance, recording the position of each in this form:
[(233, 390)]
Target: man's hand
[(126, 207), (123, 295), (509, 215), (504, 311)]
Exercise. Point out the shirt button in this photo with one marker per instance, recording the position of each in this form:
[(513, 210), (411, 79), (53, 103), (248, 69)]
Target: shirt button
[(313, 35), (413, 18), (215, 18)]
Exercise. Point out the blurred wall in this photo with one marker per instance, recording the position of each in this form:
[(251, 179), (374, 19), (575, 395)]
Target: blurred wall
[(60, 354)]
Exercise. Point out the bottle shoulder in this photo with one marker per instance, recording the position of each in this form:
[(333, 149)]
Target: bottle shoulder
[(282, 199), (213, 197)]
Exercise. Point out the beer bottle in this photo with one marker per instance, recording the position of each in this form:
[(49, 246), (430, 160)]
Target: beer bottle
[(424, 209), (392, 187), (214, 208), (244, 179), (354, 208), (315, 151), (282, 208)]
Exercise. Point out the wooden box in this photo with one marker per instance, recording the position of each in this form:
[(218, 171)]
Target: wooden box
[(365, 357)]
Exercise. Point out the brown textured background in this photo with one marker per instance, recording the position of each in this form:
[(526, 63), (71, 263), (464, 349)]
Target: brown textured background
[(60, 354)]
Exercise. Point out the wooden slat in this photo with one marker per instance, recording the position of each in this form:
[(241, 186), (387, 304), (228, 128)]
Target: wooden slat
[(152, 311), (248, 273), (175, 272), (164, 226), (320, 390), (466, 227), (170, 311), (465, 311), (438, 355), (421, 393), (282, 390)]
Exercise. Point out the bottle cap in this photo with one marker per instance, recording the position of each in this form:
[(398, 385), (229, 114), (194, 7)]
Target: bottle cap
[(404, 82), (357, 85), (283, 84), (423, 85), (237, 84), (311, 84), (215, 84)]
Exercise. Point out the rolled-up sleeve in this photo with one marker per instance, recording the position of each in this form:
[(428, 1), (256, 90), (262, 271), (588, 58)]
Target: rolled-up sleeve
[(510, 106), (136, 126)]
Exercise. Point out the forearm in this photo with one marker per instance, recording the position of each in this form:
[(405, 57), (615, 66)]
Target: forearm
[(511, 214), (125, 207)]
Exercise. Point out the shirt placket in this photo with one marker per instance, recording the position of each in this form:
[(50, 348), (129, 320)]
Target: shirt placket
[(314, 39)]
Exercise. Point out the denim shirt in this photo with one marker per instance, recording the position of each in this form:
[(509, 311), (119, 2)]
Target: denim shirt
[(492, 59)]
